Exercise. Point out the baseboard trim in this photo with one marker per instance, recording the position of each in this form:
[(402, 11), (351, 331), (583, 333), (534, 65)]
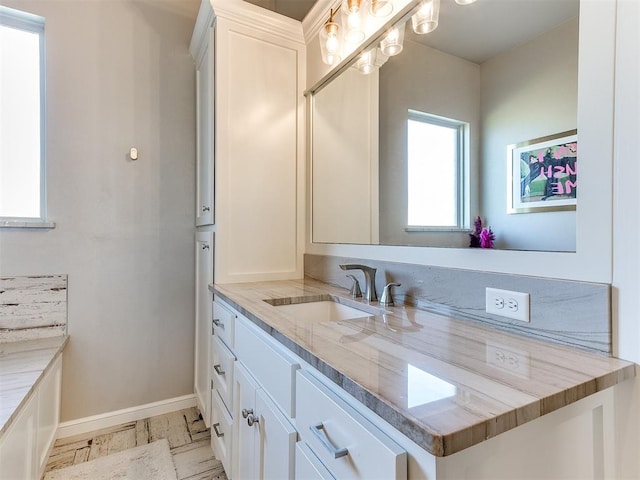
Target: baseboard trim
[(110, 419)]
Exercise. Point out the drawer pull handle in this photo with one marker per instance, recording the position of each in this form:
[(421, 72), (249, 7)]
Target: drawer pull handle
[(219, 370), (251, 419), (218, 323), (322, 438), (216, 431), (246, 412), (205, 208)]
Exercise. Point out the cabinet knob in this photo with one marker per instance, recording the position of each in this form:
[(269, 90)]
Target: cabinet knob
[(246, 412), (219, 370), (218, 323), (206, 208), (252, 419), (216, 427)]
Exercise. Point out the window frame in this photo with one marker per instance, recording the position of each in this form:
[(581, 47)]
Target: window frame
[(461, 171), (29, 22)]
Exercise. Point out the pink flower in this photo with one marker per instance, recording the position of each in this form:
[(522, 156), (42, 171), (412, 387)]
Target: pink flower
[(486, 238)]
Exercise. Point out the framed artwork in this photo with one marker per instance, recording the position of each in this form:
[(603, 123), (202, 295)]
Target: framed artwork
[(542, 174)]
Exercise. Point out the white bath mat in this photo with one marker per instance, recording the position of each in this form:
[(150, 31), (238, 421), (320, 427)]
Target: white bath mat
[(146, 462)]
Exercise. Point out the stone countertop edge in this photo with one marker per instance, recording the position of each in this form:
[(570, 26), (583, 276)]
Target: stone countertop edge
[(434, 442), (55, 345)]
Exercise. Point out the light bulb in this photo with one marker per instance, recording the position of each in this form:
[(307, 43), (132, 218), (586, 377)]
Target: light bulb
[(332, 43), (425, 20), (367, 61), (381, 8), (391, 44), (352, 21)]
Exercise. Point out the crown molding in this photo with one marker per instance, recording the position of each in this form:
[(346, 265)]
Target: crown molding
[(258, 18), (200, 35)]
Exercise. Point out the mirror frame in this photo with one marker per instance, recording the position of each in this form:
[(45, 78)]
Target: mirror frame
[(592, 260)]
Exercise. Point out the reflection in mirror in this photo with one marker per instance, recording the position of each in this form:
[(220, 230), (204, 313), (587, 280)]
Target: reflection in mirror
[(493, 74)]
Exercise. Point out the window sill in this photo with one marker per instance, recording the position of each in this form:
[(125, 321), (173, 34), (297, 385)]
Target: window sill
[(437, 229), (18, 224)]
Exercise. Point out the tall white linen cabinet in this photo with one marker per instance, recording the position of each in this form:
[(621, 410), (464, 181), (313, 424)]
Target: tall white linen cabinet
[(250, 73)]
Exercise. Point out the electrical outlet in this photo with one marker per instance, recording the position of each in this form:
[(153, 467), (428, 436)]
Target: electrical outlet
[(506, 303), (508, 359)]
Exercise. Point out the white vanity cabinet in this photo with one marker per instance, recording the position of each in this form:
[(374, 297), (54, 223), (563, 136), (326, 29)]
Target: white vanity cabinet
[(347, 444), (222, 374), (263, 392), (204, 276), (25, 446), (251, 127)]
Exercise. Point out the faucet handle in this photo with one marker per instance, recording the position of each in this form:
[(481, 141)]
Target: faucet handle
[(355, 291), (387, 298)]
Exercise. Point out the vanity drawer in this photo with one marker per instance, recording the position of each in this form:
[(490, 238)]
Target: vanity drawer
[(308, 467), (348, 444), (224, 320), (221, 431), (222, 363), (270, 364)]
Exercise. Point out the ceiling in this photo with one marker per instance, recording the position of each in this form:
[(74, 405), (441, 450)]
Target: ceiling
[(484, 29), (475, 32), (296, 9)]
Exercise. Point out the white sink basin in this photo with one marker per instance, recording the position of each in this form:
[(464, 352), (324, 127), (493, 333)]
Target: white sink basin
[(323, 311)]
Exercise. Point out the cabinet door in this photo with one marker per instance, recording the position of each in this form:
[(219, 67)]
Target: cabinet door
[(17, 446), (245, 437), (48, 413), (277, 440), (205, 167), (204, 276)]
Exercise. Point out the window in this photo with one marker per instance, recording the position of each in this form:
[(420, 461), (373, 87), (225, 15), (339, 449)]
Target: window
[(22, 189), (435, 172)]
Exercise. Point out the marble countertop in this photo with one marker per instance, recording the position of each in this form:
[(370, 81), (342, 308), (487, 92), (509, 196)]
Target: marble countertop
[(445, 383), (22, 366)]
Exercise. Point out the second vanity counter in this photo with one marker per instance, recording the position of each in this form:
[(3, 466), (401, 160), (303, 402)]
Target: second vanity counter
[(446, 384)]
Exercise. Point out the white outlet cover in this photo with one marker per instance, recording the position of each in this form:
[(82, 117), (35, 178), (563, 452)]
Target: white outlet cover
[(515, 304)]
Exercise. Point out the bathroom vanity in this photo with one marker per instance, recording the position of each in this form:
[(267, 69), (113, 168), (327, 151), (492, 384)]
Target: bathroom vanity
[(359, 391)]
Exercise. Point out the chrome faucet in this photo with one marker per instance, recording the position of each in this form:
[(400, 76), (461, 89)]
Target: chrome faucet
[(370, 294)]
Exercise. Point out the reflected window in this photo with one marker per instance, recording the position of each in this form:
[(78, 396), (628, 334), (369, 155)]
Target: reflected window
[(435, 171), (21, 115), (425, 388)]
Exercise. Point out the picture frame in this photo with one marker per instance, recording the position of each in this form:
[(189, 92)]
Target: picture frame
[(542, 174)]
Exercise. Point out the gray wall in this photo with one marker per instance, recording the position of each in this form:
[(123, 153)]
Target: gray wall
[(118, 75), (424, 79), (528, 92)]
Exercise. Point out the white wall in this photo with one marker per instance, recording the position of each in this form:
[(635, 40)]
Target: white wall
[(528, 92), (118, 75)]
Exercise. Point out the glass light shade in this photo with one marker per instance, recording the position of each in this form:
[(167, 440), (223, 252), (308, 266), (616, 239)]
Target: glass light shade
[(330, 43), (353, 21), (425, 20), (391, 44), (465, 2), (381, 8), (367, 61)]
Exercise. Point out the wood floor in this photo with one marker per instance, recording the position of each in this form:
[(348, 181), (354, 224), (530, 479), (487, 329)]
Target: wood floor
[(189, 441)]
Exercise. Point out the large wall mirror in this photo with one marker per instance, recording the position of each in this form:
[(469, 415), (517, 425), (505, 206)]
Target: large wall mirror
[(412, 152)]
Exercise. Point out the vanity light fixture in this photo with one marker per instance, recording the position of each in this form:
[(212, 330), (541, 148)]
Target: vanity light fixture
[(330, 41), (391, 44), (425, 20), (367, 61), (353, 21), (381, 8), (465, 2)]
